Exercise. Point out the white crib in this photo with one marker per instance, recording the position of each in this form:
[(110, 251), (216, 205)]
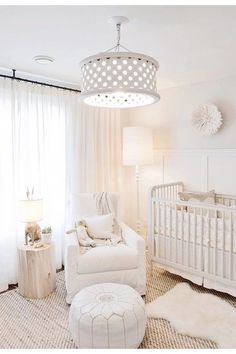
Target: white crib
[(194, 240)]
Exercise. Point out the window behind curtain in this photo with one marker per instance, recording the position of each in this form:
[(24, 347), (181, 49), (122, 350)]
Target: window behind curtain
[(32, 154)]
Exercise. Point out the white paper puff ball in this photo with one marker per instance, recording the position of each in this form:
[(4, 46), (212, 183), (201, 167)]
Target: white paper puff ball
[(207, 119)]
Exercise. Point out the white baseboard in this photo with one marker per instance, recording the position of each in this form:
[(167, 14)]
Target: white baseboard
[(3, 286)]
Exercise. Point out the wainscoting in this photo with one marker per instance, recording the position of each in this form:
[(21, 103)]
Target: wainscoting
[(200, 170)]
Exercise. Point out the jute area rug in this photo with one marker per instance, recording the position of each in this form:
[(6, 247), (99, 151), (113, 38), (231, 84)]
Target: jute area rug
[(44, 323)]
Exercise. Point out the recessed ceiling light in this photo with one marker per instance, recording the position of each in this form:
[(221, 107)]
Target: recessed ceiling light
[(43, 59)]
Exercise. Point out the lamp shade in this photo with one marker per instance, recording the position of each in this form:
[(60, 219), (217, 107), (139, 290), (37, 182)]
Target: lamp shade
[(119, 78), (137, 146), (30, 210)]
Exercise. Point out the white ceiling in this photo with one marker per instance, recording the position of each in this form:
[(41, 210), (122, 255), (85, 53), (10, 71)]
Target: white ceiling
[(191, 43)]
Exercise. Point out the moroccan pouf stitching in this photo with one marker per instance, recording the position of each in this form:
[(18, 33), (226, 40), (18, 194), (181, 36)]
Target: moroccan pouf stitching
[(107, 315)]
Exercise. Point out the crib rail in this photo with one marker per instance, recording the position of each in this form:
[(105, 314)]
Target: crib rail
[(226, 199), (192, 238), (167, 191)]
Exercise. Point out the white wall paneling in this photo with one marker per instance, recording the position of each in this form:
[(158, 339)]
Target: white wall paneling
[(222, 171), (200, 170)]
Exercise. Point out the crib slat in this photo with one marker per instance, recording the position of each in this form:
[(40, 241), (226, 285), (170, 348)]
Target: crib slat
[(230, 245), (194, 238), (223, 246), (208, 243), (216, 241), (153, 223), (165, 236), (159, 230), (182, 235), (201, 240), (176, 234), (188, 253), (170, 232)]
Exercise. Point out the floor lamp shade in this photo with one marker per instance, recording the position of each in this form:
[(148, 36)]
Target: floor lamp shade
[(137, 146), (30, 210)]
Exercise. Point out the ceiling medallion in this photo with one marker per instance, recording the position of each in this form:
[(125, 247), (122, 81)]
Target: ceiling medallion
[(119, 79)]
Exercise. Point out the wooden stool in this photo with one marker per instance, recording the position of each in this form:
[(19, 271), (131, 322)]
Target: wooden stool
[(36, 271)]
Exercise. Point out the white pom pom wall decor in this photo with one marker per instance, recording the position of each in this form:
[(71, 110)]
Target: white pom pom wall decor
[(207, 119)]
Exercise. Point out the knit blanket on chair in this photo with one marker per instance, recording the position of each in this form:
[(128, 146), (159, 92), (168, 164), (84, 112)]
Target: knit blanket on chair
[(104, 205)]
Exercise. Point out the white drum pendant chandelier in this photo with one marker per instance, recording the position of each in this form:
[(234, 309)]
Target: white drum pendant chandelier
[(119, 79)]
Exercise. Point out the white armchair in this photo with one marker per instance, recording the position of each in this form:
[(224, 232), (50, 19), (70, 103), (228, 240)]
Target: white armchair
[(123, 263)]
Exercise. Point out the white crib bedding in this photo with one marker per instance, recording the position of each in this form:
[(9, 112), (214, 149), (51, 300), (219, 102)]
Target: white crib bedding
[(195, 228), (194, 240)]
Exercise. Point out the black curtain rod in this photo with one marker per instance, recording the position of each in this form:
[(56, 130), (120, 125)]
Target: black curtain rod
[(14, 77)]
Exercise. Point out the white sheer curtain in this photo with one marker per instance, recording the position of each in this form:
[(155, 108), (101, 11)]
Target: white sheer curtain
[(95, 158), (51, 141), (94, 153), (32, 154)]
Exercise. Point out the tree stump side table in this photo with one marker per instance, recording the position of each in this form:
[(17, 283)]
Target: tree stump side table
[(36, 271)]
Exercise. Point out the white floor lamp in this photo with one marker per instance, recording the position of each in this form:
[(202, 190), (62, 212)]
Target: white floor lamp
[(137, 151)]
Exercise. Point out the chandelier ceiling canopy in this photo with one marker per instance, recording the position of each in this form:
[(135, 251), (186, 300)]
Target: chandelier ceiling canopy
[(119, 79)]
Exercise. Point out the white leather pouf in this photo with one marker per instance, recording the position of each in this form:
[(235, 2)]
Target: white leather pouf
[(107, 315)]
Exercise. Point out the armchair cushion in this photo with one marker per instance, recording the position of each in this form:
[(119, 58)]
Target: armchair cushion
[(100, 226), (107, 259)]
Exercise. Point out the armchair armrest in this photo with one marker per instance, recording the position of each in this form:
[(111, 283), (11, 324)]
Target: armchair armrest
[(132, 239), (72, 251), (135, 241)]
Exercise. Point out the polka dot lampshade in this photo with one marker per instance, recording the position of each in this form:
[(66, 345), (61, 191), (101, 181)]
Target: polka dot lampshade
[(119, 79)]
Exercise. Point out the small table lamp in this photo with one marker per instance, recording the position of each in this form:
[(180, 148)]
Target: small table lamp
[(137, 151), (31, 211)]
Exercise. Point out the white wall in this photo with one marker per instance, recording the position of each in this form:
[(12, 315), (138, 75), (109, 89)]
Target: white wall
[(181, 153)]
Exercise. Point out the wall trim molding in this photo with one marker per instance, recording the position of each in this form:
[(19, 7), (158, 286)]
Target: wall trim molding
[(213, 167), (199, 169), (195, 151)]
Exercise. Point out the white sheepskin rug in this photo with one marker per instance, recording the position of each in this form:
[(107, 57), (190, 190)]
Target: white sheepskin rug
[(197, 315)]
